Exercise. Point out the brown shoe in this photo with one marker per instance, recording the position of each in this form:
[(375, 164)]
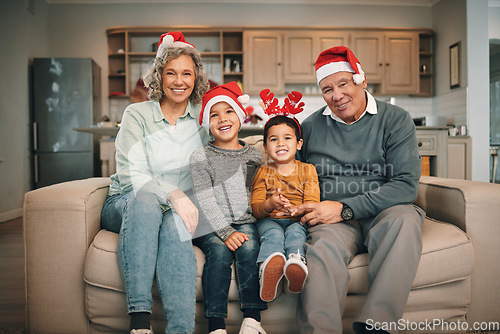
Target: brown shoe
[(295, 273), (271, 272)]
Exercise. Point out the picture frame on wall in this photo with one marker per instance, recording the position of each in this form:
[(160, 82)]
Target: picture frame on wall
[(455, 74)]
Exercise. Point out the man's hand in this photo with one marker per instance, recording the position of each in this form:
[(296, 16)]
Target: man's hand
[(326, 212), (235, 240), (185, 209)]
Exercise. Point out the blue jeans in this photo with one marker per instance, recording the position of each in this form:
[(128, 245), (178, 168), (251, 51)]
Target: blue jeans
[(217, 272), (150, 246), (280, 235)]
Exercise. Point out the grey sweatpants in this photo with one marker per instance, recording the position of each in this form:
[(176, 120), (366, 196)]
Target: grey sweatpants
[(393, 240)]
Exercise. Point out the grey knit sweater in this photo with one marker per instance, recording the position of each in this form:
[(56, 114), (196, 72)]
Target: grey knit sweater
[(222, 181), (369, 165)]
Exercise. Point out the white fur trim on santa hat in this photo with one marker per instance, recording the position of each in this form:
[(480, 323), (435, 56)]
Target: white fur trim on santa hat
[(168, 41), (243, 99), (221, 98), (339, 66)]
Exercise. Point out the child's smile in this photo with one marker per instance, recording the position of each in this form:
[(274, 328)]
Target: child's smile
[(224, 125), (282, 144)]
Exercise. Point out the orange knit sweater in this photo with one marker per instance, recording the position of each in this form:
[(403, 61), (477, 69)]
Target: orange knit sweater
[(299, 187)]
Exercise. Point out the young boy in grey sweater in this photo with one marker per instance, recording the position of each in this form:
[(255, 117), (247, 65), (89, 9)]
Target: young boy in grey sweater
[(222, 173)]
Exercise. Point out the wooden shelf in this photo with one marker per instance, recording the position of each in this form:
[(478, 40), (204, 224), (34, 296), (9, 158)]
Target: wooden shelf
[(139, 45), (426, 64)]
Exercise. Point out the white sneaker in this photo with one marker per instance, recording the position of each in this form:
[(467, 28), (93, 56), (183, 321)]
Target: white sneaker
[(251, 326), (295, 272), (142, 331), (270, 274), (218, 331)]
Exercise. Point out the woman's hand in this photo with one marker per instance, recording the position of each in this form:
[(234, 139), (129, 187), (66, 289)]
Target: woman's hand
[(326, 212), (185, 209), (235, 240)]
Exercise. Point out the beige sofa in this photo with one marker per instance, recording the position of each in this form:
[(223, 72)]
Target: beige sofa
[(73, 284)]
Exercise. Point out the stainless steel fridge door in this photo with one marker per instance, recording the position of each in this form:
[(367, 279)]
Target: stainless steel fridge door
[(51, 168), (63, 100)]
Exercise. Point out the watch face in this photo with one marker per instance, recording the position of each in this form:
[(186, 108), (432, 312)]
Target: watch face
[(347, 213)]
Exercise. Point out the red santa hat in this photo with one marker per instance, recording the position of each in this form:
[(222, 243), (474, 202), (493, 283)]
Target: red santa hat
[(338, 59), (229, 93), (172, 38)]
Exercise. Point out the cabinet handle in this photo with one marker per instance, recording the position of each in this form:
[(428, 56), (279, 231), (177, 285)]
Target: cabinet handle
[(387, 64), (35, 136), (35, 167), (420, 144), (279, 64), (380, 64)]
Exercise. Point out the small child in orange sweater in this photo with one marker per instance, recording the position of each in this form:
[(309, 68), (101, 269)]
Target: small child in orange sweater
[(277, 189)]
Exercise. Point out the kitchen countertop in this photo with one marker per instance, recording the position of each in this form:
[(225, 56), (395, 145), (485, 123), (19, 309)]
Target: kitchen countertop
[(100, 130), (245, 129)]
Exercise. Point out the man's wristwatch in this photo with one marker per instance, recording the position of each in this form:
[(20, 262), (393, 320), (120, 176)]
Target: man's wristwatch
[(346, 212)]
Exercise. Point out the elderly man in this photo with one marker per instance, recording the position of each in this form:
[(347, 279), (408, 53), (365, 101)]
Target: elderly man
[(366, 155)]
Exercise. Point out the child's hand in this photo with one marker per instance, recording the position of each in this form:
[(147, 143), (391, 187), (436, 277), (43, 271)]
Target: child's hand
[(291, 210), (235, 240), (277, 202)]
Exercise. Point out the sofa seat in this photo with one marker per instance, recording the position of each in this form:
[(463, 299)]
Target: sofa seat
[(444, 271)]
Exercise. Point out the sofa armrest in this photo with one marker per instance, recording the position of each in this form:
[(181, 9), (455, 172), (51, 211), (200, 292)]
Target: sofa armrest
[(475, 208), (60, 222)]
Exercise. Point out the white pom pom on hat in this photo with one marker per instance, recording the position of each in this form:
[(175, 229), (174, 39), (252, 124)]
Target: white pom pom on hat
[(229, 93), (338, 59), (172, 38)]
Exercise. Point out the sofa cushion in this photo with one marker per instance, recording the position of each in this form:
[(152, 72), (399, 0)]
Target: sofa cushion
[(447, 256), (101, 266)]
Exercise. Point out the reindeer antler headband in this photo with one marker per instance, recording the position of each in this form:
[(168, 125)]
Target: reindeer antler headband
[(291, 106)]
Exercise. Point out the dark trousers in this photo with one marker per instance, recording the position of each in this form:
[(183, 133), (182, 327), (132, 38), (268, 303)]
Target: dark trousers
[(217, 272)]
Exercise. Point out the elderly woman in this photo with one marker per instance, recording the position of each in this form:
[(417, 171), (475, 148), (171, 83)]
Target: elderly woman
[(147, 201)]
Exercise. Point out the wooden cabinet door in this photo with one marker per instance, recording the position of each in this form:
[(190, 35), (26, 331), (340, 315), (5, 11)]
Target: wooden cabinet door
[(459, 158), (368, 47), (401, 69), (298, 52), (301, 49), (329, 39), (262, 62)]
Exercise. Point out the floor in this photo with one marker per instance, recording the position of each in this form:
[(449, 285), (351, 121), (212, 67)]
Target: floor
[(12, 306)]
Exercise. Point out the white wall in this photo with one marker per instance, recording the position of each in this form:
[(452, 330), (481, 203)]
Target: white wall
[(22, 37), (449, 25), (478, 74), (494, 22)]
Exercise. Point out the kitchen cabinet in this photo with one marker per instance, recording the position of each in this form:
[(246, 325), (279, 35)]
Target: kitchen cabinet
[(130, 50), (396, 61), (433, 143), (460, 158), (389, 60), (302, 48), (262, 61), (426, 64), (368, 48)]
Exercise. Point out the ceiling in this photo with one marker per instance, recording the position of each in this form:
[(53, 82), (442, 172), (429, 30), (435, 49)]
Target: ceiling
[(426, 3)]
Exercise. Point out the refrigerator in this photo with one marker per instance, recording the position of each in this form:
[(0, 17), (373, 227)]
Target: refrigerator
[(66, 95)]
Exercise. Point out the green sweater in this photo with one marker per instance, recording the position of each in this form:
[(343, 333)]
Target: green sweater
[(369, 165)]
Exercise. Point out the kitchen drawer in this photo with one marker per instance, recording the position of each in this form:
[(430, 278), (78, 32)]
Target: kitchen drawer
[(427, 144)]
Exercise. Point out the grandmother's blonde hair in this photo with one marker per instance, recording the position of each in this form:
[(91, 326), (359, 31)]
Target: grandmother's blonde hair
[(154, 78)]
